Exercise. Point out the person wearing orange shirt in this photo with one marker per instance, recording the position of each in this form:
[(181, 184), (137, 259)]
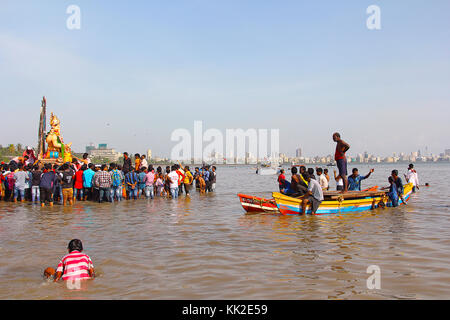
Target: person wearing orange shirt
[(137, 161)]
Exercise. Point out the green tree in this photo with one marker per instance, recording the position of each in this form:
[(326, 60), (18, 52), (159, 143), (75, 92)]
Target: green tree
[(11, 149)]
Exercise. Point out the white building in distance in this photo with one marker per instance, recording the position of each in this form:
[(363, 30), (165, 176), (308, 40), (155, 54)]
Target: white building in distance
[(103, 152)]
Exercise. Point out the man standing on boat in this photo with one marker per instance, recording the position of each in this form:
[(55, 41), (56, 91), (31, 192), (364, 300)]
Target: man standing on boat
[(341, 159)]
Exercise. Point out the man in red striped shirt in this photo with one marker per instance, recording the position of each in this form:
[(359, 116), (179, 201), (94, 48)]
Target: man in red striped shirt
[(75, 265)]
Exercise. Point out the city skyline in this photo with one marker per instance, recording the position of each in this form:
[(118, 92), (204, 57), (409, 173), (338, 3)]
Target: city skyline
[(293, 154), (365, 157), (305, 68)]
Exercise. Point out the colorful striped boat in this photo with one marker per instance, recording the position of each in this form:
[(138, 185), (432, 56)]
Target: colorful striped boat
[(253, 204), (290, 205)]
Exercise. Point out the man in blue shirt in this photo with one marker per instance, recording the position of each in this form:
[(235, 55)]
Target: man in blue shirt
[(87, 181), (393, 192), (399, 184), (141, 183), (131, 181), (206, 174), (354, 181)]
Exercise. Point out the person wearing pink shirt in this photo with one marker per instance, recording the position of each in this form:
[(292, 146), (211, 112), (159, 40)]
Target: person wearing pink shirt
[(149, 181)]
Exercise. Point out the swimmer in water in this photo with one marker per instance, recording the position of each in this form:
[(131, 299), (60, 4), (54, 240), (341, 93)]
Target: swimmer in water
[(75, 265)]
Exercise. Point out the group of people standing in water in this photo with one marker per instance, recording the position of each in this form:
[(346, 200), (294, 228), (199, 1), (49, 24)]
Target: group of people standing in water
[(81, 180)]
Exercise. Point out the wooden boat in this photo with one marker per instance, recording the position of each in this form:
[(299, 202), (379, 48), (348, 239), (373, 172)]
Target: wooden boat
[(253, 204), (337, 202)]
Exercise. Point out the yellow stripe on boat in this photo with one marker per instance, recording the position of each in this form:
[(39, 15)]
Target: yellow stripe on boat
[(290, 205)]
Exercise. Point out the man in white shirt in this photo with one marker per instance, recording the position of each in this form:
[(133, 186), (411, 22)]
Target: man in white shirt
[(412, 177), (313, 196), (323, 181), (173, 175), (21, 178), (144, 162)]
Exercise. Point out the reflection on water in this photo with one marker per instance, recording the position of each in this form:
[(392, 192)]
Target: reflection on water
[(205, 247)]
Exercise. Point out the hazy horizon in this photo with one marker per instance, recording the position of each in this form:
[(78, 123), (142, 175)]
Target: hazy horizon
[(135, 72)]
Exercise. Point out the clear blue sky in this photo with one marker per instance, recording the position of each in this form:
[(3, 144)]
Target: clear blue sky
[(137, 70)]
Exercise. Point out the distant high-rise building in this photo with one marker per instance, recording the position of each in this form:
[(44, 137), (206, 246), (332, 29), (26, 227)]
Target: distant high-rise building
[(447, 152), (298, 152), (149, 154), (89, 148), (249, 158), (102, 146), (360, 157)]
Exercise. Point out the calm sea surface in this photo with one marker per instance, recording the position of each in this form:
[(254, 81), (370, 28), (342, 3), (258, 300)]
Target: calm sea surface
[(206, 247)]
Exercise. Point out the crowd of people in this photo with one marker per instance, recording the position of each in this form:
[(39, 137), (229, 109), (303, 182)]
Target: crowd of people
[(305, 184), (81, 180)]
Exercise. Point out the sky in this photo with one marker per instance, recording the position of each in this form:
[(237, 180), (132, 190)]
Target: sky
[(137, 70)]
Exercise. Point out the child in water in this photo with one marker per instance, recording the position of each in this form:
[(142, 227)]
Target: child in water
[(75, 265)]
